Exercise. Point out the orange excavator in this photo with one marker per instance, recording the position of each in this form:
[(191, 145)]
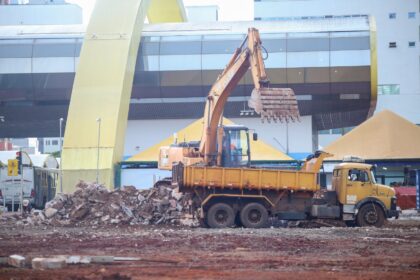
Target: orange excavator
[(228, 146)]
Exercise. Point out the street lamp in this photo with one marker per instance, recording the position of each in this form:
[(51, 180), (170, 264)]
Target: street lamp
[(61, 155), (98, 120)]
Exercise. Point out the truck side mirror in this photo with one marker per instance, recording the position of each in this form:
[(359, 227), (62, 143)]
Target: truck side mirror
[(255, 136)]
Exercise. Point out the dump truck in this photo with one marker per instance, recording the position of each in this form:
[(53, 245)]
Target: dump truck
[(224, 197), (225, 187)]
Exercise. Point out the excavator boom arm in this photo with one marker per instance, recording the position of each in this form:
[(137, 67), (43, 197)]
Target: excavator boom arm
[(269, 102)]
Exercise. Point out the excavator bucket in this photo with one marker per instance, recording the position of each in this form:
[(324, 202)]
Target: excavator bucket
[(275, 104)]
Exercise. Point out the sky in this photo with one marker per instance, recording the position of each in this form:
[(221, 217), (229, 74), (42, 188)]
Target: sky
[(229, 10)]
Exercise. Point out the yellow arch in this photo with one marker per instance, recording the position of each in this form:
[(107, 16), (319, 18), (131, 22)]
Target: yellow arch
[(102, 87)]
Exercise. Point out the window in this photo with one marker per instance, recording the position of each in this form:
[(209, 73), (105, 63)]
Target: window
[(358, 175), (54, 142), (392, 15), (47, 142), (324, 132), (388, 89), (411, 44), (392, 44), (411, 14)]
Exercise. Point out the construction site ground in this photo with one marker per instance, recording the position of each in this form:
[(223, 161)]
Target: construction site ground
[(391, 252)]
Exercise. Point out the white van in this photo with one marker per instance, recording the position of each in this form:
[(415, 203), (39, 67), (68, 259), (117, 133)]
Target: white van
[(10, 187), (40, 177)]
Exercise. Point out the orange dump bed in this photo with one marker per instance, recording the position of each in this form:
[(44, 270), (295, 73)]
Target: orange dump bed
[(249, 178)]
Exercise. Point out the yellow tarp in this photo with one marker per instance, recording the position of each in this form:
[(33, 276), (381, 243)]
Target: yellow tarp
[(384, 136), (260, 151)]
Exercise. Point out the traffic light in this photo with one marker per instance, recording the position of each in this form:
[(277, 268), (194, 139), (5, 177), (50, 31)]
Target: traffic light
[(19, 159)]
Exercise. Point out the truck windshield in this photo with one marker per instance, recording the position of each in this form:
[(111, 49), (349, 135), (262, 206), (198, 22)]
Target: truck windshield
[(373, 176)]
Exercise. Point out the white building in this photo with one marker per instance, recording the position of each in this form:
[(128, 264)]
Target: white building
[(39, 12), (398, 26), (202, 13), (48, 145)]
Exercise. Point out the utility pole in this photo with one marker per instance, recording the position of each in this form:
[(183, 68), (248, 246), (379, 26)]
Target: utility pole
[(98, 120), (21, 181), (287, 137), (61, 156)]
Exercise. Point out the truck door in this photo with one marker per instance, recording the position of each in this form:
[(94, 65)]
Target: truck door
[(358, 186)]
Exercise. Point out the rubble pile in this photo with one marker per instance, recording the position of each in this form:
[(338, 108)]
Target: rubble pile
[(93, 204)]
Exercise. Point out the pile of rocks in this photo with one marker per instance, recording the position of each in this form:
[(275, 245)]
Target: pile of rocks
[(93, 204)]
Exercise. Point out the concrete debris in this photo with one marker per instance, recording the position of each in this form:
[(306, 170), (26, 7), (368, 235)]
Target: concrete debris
[(48, 263), (78, 259), (94, 205), (17, 261), (102, 259), (50, 212)]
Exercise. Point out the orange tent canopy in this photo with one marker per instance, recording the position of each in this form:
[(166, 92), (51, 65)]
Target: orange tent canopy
[(384, 136), (260, 151)]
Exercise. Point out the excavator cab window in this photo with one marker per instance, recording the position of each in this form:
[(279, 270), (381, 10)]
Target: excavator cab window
[(235, 147)]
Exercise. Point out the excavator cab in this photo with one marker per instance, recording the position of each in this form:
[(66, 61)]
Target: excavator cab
[(235, 152)]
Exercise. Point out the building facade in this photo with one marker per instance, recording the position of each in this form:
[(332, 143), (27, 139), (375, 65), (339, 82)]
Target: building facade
[(327, 62), (398, 38), (49, 145)]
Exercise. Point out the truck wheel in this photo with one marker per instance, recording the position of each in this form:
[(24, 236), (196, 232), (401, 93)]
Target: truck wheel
[(370, 214), (220, 215), (254, 215)]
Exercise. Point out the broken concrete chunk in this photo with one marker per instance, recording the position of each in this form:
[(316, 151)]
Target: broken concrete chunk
[(48, 263), (78, 259), (102, 259), (50, 212), (141, 198), (115, 221), (80, 212), (17, 261)]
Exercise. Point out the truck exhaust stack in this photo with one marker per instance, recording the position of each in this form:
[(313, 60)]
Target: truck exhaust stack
[(275, 104)]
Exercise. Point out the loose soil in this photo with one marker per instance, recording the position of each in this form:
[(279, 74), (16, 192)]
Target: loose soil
[(391, 252)]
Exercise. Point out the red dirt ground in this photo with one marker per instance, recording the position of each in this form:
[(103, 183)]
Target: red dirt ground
[(392, 252)]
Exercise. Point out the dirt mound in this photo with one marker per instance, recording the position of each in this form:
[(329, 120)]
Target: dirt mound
[(93, 204)]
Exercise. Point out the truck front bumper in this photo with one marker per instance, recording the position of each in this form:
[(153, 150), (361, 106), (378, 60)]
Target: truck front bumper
[(394, 213)]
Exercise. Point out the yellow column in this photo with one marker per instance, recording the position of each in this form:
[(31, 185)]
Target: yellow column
[(102, 90)]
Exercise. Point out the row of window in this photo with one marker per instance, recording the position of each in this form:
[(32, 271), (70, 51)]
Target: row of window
[(310, 17), (51, 142), (390, 89), (411, 44), (340, 131), (411, 15)]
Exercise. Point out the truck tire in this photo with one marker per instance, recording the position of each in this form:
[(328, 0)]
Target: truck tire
[(220, 215), (254, 215), (370, 214)]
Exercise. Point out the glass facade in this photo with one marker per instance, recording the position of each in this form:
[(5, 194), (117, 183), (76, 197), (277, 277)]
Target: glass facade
[(187, 65), (174, 73)]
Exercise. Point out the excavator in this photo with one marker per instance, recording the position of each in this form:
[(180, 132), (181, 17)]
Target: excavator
[(228, 146), (227, 191)]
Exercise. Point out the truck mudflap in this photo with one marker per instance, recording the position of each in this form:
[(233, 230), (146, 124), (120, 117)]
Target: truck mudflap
[(394, 211)]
